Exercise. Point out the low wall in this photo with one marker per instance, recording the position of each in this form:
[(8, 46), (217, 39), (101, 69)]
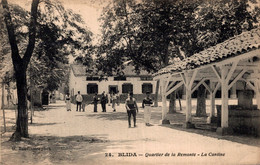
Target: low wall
[(241, 121)]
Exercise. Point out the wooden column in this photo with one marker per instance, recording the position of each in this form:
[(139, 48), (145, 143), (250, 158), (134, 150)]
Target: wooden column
[(224, 98), (224, 78), (156, 93), (164, 103), (188, 103), (3, 104), (212, 99), (184, 92), (233, 91), (212, 93), (188, 79), (257, 88), (257, 95)]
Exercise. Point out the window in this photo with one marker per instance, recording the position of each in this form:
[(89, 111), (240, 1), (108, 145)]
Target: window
[(146, 78), (126, 88), (92, 78), (92, 88), (120, 78), (147, 87)]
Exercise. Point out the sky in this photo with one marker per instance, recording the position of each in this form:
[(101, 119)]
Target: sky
[(90, 10)]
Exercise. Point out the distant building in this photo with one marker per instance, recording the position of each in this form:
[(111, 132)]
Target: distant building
[(88, 85)]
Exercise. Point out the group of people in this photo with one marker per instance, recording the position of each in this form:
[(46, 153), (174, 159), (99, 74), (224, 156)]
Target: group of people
[(112, 98), (132, 109), (130, 105)]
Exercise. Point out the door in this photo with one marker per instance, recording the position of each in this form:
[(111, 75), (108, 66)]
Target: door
[(113, 88)]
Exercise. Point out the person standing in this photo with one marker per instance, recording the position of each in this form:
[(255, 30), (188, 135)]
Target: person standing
[(95, 102), (67, 100), (114, 102), (79, 100), (83, 106), (103, 102), (131, 108), (117, 98), (109, 98), (147, 102)]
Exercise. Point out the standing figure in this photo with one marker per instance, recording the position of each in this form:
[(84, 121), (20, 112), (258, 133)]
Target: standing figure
[(114, 102), (147, 102), (131, 108), (95, 102), (50, 98), (79, 100), (67, 100), (117, 98), (103, 102), (109, 98), (83, 106)]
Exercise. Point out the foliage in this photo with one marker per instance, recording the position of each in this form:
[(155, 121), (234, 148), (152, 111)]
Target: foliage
[(60, 33), (54, 36), (152, 34)]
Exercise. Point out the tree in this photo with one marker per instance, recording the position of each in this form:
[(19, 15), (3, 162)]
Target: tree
[(21, 64), (152, 34), (216, 22), (43, 46), (145, 33)]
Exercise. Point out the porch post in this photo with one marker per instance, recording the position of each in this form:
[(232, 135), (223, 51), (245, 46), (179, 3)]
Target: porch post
[(233, 91), (213, 89), (224, 129), (164, 103), (188, 102), (257, 88), (184, 92), (188, 81), (212, 99), (224, 98)]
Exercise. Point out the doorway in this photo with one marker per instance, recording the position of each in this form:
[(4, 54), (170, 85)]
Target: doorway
[(113, 88)]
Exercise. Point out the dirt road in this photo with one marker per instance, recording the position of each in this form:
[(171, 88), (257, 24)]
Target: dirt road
[(61, 137)]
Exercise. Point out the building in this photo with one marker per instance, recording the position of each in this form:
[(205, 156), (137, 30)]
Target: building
[(88, 85), (226, 65)]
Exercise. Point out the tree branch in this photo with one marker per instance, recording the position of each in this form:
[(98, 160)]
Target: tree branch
[(32, 32), (11, 34)]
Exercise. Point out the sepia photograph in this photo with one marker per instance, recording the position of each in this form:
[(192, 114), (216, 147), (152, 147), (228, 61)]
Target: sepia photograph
[(129, 82)]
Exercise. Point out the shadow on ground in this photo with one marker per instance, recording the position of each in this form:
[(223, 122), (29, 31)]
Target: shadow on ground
[(42, 124), (177, 120), (243, 139), (51, 149), (53, 106), (204, 129), (156, 116)]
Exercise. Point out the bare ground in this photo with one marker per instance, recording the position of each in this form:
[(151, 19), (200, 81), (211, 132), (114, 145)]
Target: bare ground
[(61, 137)]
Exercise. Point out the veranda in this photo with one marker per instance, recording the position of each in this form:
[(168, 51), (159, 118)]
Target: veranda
[(222, 65)]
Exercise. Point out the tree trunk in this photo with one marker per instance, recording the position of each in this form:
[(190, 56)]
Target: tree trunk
[(22, 119), (178, 95), (201, 102), (156, 93), (172, 106), (20, 66)]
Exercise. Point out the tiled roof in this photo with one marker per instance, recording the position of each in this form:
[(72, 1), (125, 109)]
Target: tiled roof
[(232, 47), (80, 70)]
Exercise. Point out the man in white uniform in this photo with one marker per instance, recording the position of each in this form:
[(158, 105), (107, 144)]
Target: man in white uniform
[(147, 102), (79, 100)]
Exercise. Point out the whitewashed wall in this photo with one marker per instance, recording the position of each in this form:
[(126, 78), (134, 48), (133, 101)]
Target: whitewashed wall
[(80, 84)]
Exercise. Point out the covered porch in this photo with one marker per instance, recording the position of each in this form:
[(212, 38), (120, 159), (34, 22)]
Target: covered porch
[(237, 59)]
